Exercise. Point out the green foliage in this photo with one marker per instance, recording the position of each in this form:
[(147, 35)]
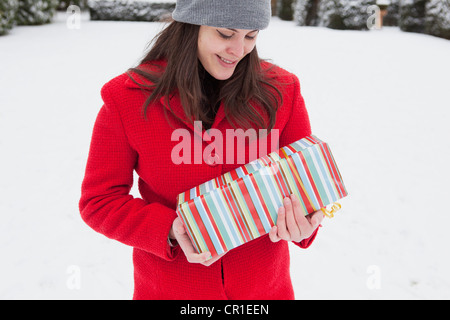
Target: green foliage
[(412, 15), (36, 12), (64, 4), (285, 11), (305, 12), (123, 10), (344, 14), (8, 10), (393, 14), (437, 18)]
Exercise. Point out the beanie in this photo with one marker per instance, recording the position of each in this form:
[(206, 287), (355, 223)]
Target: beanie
[(234, 14)]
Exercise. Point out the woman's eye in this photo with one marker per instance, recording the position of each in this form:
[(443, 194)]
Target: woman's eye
[(224, 35), (227, 37)]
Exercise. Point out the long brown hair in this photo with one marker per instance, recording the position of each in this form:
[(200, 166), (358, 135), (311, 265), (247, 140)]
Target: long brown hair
[(178, 44)]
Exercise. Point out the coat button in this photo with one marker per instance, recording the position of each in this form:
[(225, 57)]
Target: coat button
[(212, 160)]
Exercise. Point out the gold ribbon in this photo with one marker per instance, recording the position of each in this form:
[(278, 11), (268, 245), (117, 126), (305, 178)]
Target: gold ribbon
[(329, 213)]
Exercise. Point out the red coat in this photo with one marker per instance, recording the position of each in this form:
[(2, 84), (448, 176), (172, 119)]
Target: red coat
[(124, 141)]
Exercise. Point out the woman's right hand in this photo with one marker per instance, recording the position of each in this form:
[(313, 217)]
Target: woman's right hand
[(179, 233)]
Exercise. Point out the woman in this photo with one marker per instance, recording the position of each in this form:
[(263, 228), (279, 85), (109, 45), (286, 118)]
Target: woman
[(203, 67)]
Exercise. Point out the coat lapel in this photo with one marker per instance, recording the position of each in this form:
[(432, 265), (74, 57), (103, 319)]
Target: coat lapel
[(177, 107), (174, 105)]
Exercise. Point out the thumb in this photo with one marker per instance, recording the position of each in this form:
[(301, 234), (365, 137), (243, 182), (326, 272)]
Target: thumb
[(178, 226), (316, 218), (273, 234)]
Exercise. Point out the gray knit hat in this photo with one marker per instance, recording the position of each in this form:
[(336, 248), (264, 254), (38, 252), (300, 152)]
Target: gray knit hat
[(236, 14)]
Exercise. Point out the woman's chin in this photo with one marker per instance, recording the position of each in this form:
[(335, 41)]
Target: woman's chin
[(222, 75)]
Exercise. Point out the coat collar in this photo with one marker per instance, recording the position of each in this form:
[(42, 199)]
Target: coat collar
[(174, 102)]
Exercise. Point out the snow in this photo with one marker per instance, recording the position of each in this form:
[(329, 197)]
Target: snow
[(379, 98)]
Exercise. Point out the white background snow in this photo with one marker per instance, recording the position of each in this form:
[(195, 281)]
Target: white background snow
[(380, 99)]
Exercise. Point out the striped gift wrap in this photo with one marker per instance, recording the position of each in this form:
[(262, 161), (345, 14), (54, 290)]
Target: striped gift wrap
[(242, 205)]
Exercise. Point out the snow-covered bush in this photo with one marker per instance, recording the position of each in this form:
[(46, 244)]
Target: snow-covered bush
[(285, 10), (393, 14), (8, 9), (437, 18), (130, 10), (305, 12), (300, 12), (344, 14), (34, 12), (412, 15), (64, 4), (330, 15)]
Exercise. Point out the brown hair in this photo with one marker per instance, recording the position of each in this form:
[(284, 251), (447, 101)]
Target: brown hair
[(178, 44)]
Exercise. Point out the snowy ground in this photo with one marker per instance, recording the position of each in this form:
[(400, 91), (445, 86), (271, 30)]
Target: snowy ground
[(379, 98)]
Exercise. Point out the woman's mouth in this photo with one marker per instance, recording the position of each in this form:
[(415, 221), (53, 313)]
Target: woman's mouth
[(227, 63)]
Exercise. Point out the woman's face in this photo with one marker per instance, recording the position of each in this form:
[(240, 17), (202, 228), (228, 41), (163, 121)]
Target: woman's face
[(221, 49)]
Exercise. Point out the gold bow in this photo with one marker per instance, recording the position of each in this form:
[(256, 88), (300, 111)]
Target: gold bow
[(329, 213)]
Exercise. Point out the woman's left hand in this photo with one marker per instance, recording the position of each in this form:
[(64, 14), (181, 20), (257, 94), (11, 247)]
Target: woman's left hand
[(292, 224)]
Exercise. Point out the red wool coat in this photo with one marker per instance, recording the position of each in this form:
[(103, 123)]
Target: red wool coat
[(124, 141)]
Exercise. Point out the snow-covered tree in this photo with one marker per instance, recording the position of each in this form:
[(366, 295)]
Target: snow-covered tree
[(330, 15), (8, 9), (412, 15), (300, 12), (392, 16), (305, 12), (130, 10), (437, 18), (64, 4), (35, 12), (285, 10), (344, 14)]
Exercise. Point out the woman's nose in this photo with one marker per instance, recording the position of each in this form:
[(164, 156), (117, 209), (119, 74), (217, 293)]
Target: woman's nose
[(237, 48)]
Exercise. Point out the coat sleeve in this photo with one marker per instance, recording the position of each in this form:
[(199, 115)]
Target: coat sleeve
[(106, 204), (297, 127)]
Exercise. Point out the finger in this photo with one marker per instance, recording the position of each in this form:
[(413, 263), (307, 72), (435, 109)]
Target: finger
[(199, 258), (281, 224), (209, 262), (291, 224), (299, 211), (182, 237), (273, 234), (186, 245), (320, 216), (178, 226), (303, 223), (316, 218)]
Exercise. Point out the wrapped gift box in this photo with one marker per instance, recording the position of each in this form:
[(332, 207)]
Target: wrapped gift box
[(242, 205)]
